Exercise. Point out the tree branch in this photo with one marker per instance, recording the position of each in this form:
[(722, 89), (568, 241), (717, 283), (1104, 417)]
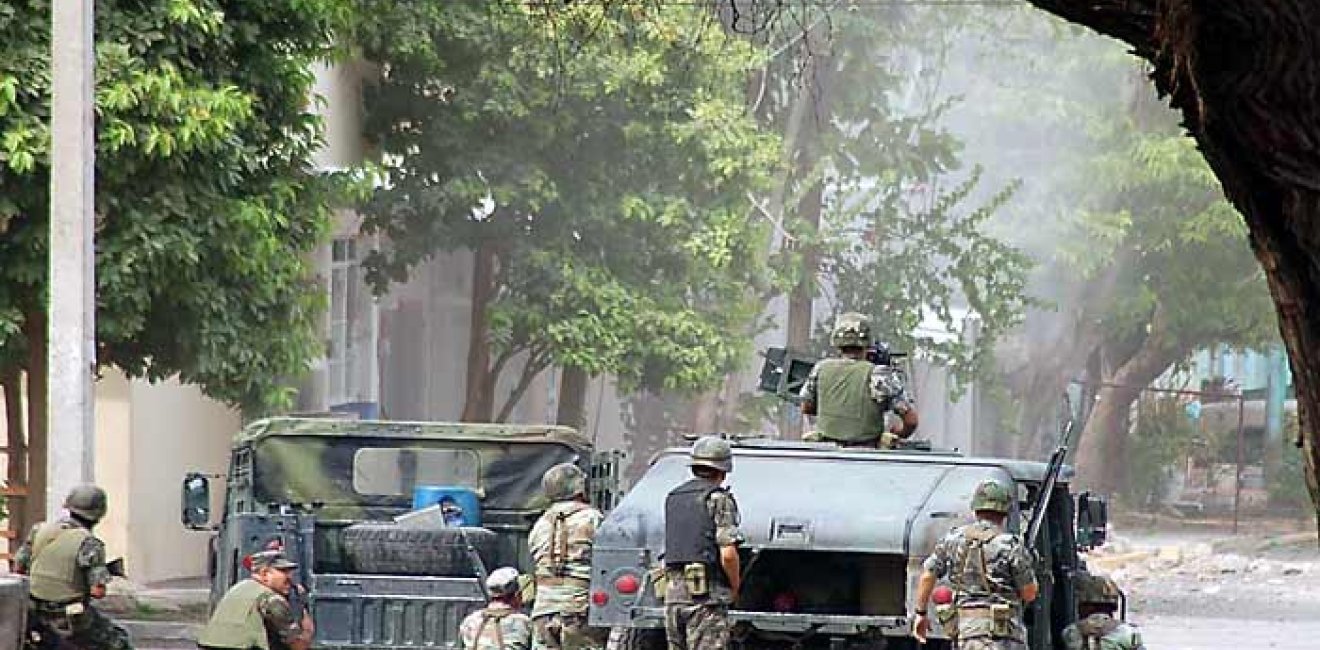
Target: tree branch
[(537, 361)]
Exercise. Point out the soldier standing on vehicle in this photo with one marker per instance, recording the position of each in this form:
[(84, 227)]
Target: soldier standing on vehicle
[(66, 565), (1097, 601), (849, 395), (990, 572), (500, 625), (255, 613), (702, 567), (561, 548)]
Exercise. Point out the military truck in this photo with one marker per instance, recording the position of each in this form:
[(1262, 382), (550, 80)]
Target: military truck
[(328, 491), (835, 542)]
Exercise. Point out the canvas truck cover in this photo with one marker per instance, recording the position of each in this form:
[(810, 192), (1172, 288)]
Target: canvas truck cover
[(363, 470), (842, 501)]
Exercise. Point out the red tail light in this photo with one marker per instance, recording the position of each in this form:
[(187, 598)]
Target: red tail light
[(627, 584), (600, 599)]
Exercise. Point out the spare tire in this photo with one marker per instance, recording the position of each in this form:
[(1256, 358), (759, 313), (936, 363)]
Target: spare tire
[(389, 549)]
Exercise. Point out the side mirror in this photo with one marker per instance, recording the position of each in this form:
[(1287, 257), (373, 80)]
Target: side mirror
[(195, 500), (1092, 521)]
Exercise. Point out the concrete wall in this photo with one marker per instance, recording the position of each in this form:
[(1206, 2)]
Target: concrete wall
[(175, 430)]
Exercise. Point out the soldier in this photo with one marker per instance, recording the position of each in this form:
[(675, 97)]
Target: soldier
[(561, 548), (702, 567), (500, 625), (849, 395), (66, 565), (1097, 601), (255, 613), (990, 573)]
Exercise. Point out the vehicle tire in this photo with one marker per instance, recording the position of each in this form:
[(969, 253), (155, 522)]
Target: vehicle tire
[(388, 549), (636, 638)]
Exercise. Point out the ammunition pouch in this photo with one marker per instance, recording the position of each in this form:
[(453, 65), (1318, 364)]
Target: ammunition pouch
[(697, 577), (999, 615), (947, 615)]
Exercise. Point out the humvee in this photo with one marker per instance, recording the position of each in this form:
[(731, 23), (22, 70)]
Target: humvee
[(327, 491), (835, 542)]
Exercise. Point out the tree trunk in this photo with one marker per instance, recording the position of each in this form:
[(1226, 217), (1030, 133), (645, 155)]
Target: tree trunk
[(815, 93), (1254, 115), (573, 398), (16, 439), (34, 327), (1103, 445), (479, 402)]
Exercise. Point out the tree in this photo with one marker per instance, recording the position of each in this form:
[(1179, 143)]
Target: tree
[(598, 173), (206, 205), (1253, 119)]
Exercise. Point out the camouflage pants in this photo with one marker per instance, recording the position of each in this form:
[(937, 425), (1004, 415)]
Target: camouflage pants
[(697, 626), (989, 643), (90, 630), (566, 632)]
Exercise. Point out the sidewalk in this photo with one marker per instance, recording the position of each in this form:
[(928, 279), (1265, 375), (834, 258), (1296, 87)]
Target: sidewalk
[(159, 615)]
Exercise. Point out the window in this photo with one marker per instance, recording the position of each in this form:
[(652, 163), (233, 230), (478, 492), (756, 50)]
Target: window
[(342, 354), (395, 472)]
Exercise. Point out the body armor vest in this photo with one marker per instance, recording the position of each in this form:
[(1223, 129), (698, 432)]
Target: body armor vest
[(236, 622), (491, 619), (689, 528), (55, 575), (844, 409)]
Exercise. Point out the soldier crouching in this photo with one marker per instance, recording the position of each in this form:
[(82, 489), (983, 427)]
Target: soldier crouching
[(66, 565)]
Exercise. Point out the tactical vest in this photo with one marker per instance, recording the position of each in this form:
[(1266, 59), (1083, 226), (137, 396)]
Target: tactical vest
[(563, 539), (487, 618), (972, 575), (689, 528), (55, 575), (844, 409), (236, 622)]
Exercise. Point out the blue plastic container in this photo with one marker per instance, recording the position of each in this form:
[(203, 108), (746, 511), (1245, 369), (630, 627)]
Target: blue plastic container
[(468, 512)]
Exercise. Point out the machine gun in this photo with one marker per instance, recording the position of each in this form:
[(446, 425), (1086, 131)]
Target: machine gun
[(784, 371), (1047, 484)]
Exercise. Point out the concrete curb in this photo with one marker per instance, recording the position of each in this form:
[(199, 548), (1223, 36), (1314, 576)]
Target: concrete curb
[(160, 630)]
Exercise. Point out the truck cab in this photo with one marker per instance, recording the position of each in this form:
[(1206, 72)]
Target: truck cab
[(835, 539), (328, 492)]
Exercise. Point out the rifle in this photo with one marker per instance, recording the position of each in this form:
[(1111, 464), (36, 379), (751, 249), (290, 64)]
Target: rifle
[(1047, 484), (115, 568), (784, 371)]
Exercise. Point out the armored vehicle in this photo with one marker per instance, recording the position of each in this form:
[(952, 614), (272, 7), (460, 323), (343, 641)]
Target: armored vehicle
[(328, 491), (835, 542)]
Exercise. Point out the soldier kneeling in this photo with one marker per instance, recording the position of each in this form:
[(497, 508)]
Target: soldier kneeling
[(66, 565), (1097, 601), (501, 625)]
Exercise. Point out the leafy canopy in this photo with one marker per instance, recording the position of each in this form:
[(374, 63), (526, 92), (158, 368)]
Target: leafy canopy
[(601, 151), (206, 200)]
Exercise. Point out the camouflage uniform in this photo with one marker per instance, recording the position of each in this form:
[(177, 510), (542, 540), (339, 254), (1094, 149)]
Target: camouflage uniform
[(851, 396), (986, 567), (1102, 632), (497, 627), (280, 626), (702, 622), (87, 628), (561, 547)]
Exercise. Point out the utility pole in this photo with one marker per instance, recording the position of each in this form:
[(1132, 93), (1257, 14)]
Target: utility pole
[(72, 316)]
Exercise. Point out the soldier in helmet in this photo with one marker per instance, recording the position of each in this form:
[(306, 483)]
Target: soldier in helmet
[(702, 567), (990, 573), (1097, 601), (66, 566), (561, 548), (255, 613), (849, 395), (500, 625)]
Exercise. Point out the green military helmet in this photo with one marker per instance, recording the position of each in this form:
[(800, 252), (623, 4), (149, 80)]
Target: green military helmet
[(851, 330), (564, 481), (713, 452), (87, 501), (1096, 589), (991, 495)]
